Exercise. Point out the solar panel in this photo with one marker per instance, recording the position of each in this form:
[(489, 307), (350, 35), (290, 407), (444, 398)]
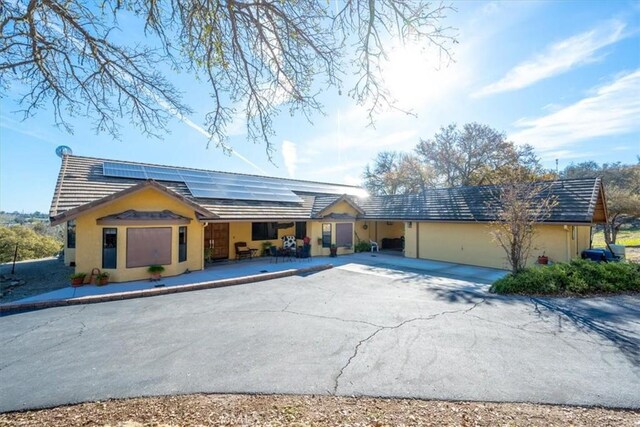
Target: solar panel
[(123, 170), (218, 185)]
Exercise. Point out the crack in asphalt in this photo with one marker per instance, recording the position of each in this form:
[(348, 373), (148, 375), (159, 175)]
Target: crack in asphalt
[(399, 325), (49, 322), (76, 335)]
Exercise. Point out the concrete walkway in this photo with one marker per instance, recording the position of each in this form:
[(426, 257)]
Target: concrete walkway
[(233, 269)]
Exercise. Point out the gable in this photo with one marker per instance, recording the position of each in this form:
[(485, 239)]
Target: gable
[(148, 197)]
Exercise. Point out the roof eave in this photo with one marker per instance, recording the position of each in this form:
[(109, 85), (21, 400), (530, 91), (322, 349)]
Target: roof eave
[(87, 207)]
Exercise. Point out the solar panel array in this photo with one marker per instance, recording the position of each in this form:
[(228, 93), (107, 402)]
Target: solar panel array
[(218, 185)]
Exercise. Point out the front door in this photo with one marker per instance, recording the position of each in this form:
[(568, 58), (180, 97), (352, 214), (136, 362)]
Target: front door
[(216, 241)]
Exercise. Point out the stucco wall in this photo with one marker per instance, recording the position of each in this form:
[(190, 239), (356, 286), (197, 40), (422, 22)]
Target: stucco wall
[(471, 243), (241, 232), (89, 236)]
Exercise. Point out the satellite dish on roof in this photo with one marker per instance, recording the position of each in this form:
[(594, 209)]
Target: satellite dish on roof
[(63, 150)]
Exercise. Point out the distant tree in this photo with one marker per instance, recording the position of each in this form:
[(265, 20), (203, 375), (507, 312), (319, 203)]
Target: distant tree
[(520, 205), (622, 191), (476, 154), (255, 57), (30, 244), (394, 172)]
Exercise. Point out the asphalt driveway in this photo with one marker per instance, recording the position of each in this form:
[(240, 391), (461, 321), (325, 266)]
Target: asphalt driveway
[(352, 330)]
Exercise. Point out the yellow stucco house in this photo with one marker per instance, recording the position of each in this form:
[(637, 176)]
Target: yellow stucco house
[(122, 217)]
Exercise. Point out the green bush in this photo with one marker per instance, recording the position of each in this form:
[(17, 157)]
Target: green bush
[(362, 246), (31, 245), (579, 277)]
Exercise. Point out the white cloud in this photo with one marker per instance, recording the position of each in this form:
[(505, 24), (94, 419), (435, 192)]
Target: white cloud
[(612, 109), (290, 157), (558, 58)]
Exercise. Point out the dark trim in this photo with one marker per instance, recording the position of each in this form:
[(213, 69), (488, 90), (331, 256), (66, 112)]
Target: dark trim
[(183, 247), (159, 221), (115, 248)]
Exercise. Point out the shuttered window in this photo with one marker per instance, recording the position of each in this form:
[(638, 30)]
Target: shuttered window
[(344, 235), (148, 246)]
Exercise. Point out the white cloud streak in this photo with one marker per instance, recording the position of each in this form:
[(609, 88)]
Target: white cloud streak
[(558, 58), (290, 157), (612, 109)]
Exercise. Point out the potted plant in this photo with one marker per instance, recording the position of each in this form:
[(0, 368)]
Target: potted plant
[(266, 248), (102, 279), (543, 259), (77, 279), (334, 250), (155, 271)]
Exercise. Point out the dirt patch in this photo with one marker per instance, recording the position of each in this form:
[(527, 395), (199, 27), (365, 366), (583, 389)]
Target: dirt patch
[(244, 410), (33, 278), (633, 253)]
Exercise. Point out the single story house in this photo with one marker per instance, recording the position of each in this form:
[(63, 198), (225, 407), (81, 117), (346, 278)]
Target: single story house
[(122, 217)]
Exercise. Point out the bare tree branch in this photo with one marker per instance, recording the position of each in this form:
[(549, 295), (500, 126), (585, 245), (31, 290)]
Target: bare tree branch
[(256, 56)]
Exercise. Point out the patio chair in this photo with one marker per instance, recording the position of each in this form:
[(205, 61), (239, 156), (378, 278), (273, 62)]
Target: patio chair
[(275, 253), (374, 245), (243, 251), (305, 251)]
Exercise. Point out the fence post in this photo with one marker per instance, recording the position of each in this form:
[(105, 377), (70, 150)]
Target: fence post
[(15, 255)]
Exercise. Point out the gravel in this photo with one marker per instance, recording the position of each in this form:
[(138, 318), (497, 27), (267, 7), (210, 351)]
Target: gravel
[(278, 410), (35, 277)]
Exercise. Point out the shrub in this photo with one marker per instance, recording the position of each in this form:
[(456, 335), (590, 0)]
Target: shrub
[(31, 245), (155, 269), (362, 246), (579, 277)]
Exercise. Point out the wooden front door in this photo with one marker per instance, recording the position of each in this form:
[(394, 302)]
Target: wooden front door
[(216, 240)]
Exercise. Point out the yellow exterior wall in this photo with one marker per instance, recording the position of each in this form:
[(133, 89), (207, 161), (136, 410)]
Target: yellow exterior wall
[(387, 230), (410, 237), (241, 232), (471, 244), (583, 239), (89, 236), (362, 234), (314, 229)]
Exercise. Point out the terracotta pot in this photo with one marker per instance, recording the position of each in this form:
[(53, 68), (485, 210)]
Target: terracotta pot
[(334, 252), (544, 260), (103, 282), (76, 283), (155, 276)]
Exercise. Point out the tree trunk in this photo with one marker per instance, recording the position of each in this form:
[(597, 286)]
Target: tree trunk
[(607, 233)]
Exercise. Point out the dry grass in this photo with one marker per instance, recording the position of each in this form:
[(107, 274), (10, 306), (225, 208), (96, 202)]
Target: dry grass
[(244, 410)]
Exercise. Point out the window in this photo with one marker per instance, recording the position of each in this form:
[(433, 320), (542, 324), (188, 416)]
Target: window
[(182, 244), (301, 230), (264, 230), (344, 235), (71, 234), (109, 247), (148, 246), (326, 235)]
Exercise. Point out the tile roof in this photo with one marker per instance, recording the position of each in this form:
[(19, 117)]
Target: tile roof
[(576, 203), (81, 182)]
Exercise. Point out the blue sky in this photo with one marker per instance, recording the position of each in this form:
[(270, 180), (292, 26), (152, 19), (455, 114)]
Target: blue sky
[(561, 76)]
